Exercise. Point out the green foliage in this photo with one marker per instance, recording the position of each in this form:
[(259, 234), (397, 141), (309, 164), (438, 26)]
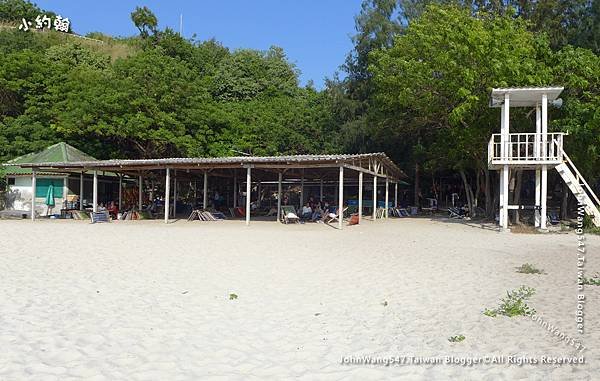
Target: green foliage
[(447, 93), (74, 54), (155, 97), (456, 338), (593, 281), (247, 74), (528, 268), (145, 21), (579, 71), (232, 296), (15, 10), (513, 304)]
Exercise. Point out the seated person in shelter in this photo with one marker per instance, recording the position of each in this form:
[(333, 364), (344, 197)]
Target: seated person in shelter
[(317, 213), (113, 210), (306, 212)]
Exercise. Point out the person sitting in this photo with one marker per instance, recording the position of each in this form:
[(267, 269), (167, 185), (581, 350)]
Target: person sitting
[(326, 208), (306, 212), (113, 210), (317, 213)]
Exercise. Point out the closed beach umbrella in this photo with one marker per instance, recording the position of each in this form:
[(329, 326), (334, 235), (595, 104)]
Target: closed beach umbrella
[(50, 196)]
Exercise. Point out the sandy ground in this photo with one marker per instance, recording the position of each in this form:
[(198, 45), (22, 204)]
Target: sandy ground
[(143, 301)]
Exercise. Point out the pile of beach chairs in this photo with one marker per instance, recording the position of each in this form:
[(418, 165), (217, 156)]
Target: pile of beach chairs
[(398, 212), (205, 215)]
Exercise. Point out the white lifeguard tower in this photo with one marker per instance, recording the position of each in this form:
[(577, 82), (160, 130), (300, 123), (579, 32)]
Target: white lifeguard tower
[(537, 151)]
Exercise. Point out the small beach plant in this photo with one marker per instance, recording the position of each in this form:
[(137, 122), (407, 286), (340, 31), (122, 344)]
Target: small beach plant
[(456, 338), (528, 268), (232, 296), (593, 281), (513, 304)]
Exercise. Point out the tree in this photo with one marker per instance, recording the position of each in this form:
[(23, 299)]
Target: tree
[(438, 74), (15, 10), (247, 74), (145, 21)]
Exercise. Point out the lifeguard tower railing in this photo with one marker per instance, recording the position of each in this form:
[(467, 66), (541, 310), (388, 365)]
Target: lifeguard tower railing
[(526, 150)]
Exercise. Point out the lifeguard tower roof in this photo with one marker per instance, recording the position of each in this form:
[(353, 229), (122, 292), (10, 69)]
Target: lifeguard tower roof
[(524, 96)]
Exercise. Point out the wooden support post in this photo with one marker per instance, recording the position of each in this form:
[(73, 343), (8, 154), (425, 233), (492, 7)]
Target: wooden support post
[(235, 191), (374, 198), (95, 192), (544, 177), (538, 193), (360, 196), (341, 199), (205, 191), (140, 186), (544, 197), (504, 197), (321, 191), (538, 172), (167, 194), (505, 154), (259, 190), (395, 195), (386, 197), (174, 194), (33, 189), (301, 191), (81, 191), (248, 191), (120, 192), (279, 180), (195, 194)]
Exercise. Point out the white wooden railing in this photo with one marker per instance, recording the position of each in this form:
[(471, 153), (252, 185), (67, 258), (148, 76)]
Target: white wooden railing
[(526, 148), (580, 180)]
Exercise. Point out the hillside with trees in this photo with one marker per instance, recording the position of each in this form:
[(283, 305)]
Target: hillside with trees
[(416, 86)]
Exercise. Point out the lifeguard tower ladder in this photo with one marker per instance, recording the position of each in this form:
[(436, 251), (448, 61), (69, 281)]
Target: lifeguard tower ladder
[(537, 151)]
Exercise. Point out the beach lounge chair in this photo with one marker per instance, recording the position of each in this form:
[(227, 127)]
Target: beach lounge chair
[(334, 216), (288, 214), (454, 212)]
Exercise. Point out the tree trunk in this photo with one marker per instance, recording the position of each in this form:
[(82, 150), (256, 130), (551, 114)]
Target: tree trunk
[(477, 188), (517, 193), (564, 207), (417, 185), (434, 186), (468, 191), (489, 202)]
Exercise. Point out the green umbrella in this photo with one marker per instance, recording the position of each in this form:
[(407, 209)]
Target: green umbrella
[(50, 195)]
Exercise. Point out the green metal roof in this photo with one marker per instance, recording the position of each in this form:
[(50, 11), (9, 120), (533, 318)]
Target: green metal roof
[(56, 153)]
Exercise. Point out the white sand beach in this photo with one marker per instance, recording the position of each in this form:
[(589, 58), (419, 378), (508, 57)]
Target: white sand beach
[(139, 300)]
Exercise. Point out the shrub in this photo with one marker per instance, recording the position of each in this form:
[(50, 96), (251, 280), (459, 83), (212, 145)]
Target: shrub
[(593, 281), (513, 304), (456, 338), (528, 268)]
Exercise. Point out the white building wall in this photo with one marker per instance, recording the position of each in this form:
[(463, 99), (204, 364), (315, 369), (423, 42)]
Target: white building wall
[(22, 188)]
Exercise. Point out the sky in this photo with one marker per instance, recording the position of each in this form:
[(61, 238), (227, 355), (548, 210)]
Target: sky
[(314, 34)]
